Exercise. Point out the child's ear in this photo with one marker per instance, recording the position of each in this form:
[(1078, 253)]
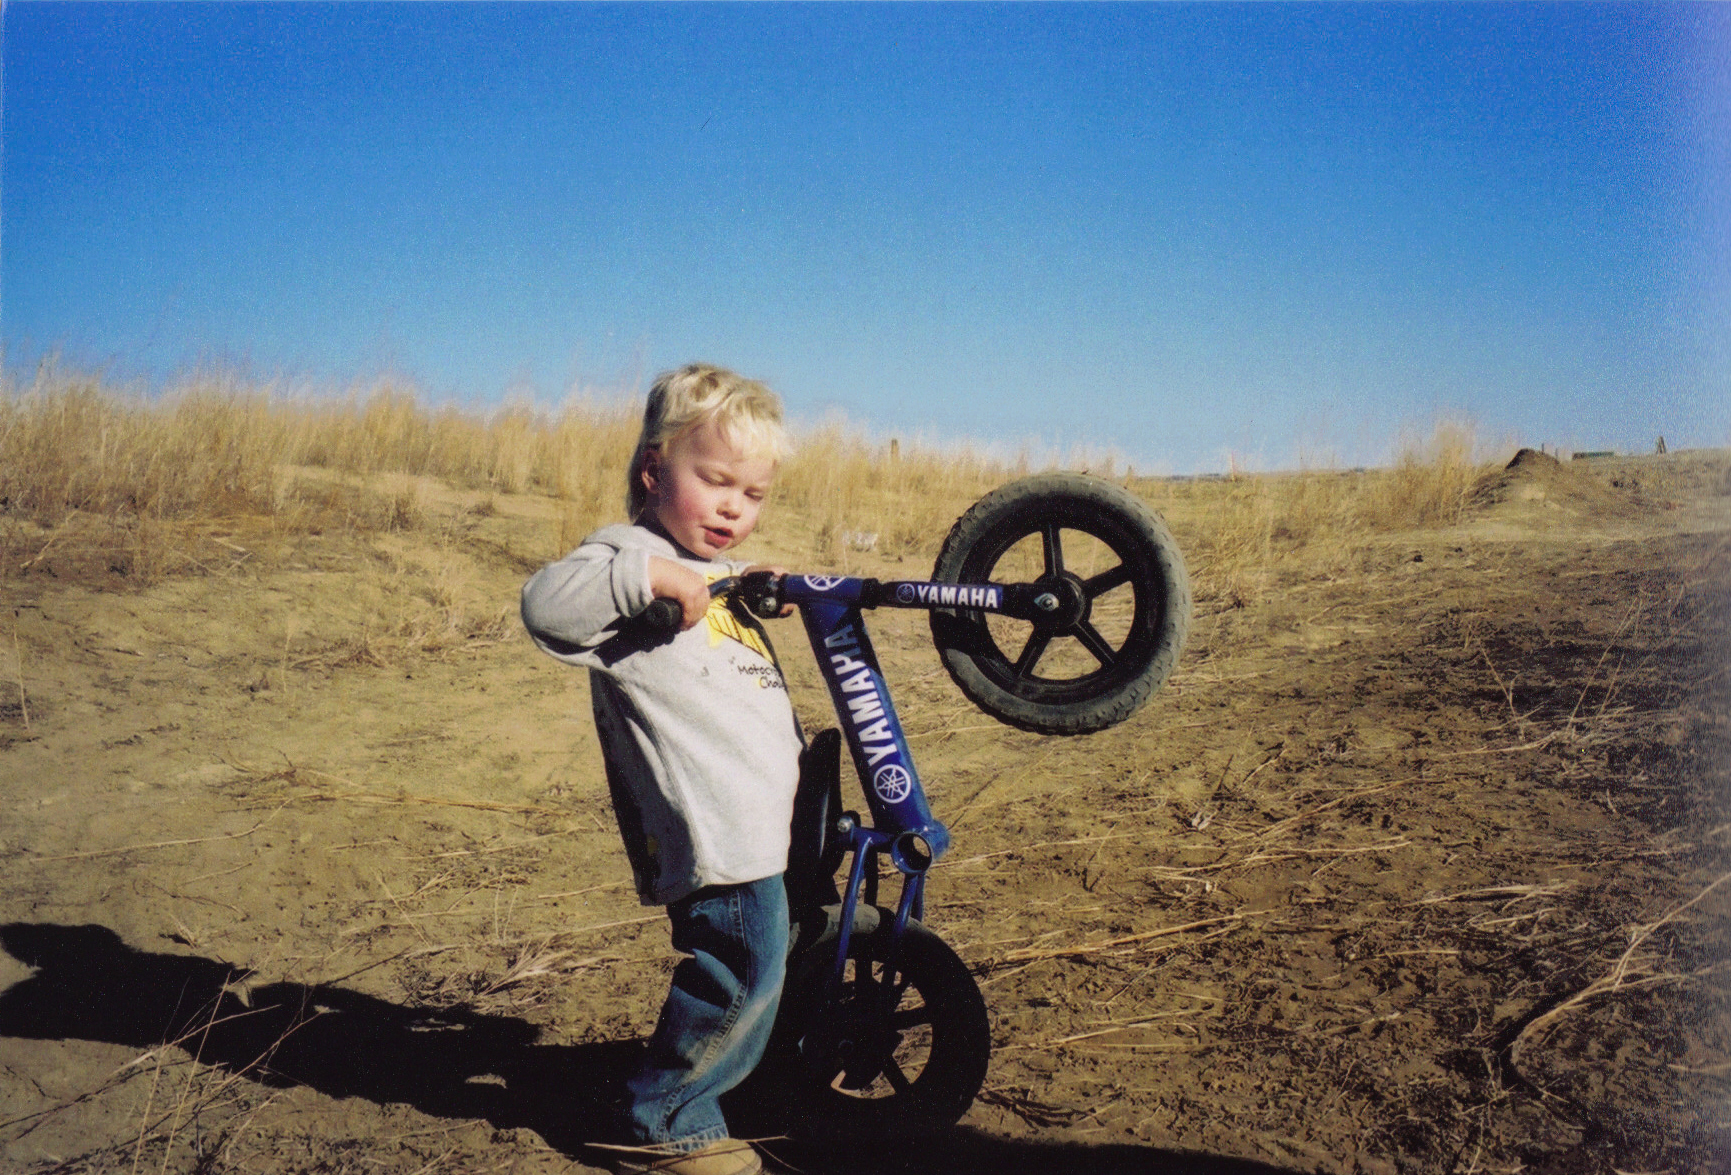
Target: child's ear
[(651, 471)]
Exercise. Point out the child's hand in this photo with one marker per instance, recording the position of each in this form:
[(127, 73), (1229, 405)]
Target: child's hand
[(778, 572), (669, 581)]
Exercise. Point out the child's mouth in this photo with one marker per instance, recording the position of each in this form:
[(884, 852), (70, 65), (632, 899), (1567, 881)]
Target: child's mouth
[(717, 537)]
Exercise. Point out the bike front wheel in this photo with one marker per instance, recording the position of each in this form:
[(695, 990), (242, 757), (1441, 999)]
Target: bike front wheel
[(899, 1047), (1116, 586)]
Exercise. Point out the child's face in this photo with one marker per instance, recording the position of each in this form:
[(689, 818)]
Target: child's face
[(704, 490)]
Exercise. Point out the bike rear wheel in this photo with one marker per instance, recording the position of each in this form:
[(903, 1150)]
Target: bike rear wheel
[(1121, 604), (901, 1048)]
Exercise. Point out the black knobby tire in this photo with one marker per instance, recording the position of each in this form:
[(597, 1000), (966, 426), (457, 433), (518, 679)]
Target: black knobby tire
[(848, 1071), (1096, 664)]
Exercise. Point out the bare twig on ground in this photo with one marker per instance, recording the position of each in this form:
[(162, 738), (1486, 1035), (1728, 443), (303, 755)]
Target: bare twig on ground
[(1501, 892), (541, 959), (1027, 953), (1144, 1022), (18, 656), (1029, 1109), (1041, 844), (1635, 610), (1535, 745), (52, 539), (293, 771), (1356, 794), (572, 893), (160, 844), (395, 901), (1508, 690), (361, 797), (1614, 980)]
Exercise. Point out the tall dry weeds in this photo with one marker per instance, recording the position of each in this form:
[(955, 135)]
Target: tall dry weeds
[(71, 447), (85, 463), (894, 499), (1430, 484), (516, 449), (1241, 532)]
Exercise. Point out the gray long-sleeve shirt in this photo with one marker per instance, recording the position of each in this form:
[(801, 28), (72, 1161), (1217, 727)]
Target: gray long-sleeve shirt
[(699, 739)]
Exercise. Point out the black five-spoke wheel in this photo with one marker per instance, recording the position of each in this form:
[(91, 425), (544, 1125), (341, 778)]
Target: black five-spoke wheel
[(1114, 610)]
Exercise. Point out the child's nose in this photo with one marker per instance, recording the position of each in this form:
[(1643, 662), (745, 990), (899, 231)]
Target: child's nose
[(730, 505)]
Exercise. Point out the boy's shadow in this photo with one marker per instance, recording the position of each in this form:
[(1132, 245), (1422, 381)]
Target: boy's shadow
[(89, 985), (456, 1064)]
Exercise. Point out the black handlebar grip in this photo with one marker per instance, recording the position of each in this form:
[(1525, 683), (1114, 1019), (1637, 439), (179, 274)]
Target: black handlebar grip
[(662, 615)]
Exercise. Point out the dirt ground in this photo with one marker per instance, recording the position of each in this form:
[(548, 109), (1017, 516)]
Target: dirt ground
[(1419, 862)]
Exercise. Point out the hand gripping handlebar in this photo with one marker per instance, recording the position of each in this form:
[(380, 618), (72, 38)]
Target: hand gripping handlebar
[(761, 591)]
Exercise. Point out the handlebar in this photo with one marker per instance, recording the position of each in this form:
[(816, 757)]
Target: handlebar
[(1047, 602), (761, 591), (662, 615)]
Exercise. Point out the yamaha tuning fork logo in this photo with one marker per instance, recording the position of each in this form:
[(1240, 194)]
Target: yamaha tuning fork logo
[(892, 783), (821, 583)]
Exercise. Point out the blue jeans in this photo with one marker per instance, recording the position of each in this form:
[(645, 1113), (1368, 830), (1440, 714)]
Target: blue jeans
[(719, 1011)]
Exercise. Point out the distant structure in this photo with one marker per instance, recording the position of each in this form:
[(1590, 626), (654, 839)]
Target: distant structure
[(1580, 456), (1660, 447)]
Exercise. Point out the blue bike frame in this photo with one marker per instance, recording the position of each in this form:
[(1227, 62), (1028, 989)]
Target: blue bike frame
[(903, 825)]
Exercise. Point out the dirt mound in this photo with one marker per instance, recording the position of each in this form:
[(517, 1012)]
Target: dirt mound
[(1534, 458), (1535, 479)]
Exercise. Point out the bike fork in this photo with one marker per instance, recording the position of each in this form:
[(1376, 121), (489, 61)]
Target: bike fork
[(865, 845)]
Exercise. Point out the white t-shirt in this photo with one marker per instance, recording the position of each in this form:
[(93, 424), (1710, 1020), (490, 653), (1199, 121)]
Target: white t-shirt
[(700, 742)]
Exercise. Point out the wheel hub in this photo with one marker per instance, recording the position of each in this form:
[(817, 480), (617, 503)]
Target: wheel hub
[(856, 1045), (1063, 602)]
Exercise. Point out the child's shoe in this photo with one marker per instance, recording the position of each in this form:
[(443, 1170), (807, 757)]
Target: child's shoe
[(729, 1156)]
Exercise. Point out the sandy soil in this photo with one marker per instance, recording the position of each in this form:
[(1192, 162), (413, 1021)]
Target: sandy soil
[(1415, 865)]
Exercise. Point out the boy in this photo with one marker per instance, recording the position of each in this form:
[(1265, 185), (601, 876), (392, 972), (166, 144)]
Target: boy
[(700, 744)]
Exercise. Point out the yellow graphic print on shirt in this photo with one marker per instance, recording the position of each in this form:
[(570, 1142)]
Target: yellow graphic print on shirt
[(723, 624)]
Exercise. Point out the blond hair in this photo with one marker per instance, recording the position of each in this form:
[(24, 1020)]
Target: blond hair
[(747, 412)]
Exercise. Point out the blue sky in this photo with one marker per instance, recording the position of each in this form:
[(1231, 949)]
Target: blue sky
[(1181, 232)]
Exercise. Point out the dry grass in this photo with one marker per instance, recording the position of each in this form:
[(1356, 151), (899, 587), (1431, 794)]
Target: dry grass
[(889, 498), (1244, 534), (121, 477), (70, 443), (69, 446), (1430, 483)]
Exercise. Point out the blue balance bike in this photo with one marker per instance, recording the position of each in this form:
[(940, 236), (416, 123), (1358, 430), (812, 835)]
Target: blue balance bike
[(1059, 604)]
